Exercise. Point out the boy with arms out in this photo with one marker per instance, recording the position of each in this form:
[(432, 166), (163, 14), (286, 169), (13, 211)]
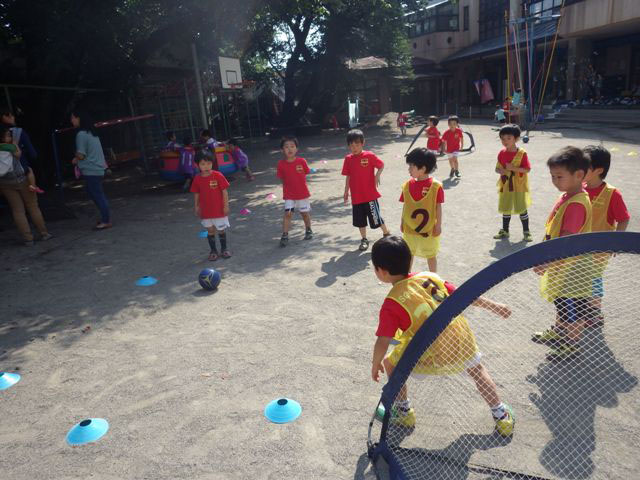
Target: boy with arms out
[(513, 184), (212, 204), (411, 301), (453, 142), (362, 170), (433, 135), (422, 196), (570, 292), (293, 171)]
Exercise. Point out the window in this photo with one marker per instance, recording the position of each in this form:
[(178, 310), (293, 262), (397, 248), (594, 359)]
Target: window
[(465, 18), (491, 18), (544, 8), (439, 18)]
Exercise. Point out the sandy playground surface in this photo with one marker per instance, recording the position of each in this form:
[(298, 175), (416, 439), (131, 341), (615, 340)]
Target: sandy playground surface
[(182, 375)]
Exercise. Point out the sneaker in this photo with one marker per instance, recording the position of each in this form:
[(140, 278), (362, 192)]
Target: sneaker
[(501, 234), (284, 240), (452, 173), (548, 336), (404, 419), (458, 174), (527, 237), (364, 245), (504, 425), (563, 352), (46, 236), (308, 234)]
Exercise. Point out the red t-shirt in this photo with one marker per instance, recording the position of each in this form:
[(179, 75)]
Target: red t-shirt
[(617, 209), (453, 139), (294, 178), (402, 120), (574, 216), (361, 171), (419, 188), (433, 143), (393, 316), (210, 189), (505, 158)]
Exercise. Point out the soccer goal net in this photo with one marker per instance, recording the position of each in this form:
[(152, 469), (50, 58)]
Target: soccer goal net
[(550, 338)]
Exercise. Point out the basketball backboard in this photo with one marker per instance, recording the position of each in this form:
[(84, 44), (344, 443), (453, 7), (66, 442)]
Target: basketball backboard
[(230, 72)]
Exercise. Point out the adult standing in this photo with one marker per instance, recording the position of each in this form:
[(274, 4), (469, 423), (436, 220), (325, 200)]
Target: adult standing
[(20, 136), (89, 159)]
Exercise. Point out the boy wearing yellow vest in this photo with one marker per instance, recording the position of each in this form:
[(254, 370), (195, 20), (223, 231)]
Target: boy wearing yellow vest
[(609, 213), (411, 301), (513, 184), (568, 283), (422, 196)]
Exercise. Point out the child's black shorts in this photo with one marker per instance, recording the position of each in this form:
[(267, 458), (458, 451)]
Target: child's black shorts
[(367, 211), (570, 310)]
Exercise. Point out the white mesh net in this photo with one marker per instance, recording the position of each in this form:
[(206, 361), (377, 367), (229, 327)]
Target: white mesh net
[(573, 391)]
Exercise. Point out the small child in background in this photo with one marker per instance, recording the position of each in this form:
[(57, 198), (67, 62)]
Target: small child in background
[(453, 142), (568, 283), (423, 196), (240, 159), (401, 121), (187, 162), (10, 150), (208, 140), (411, 301), (172, 143), (433, 135), (513, 185), (609, 213), (212, 204), (499, 115), (293, 171), (362, 170)]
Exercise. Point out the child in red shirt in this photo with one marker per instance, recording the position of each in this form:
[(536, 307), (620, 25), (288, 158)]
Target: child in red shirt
[(212, 204), (402, 123), (453, 142), (359, 168), (293, 171), (433, 135)]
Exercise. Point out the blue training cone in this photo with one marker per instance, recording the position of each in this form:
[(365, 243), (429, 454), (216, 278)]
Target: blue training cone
[(203, 234), (282, 410), (146, 281), (314, 170), (8, 379), (87, 431)]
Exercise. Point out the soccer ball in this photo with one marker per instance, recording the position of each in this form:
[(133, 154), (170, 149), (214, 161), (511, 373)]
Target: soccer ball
[(209, 279), (525, 139)]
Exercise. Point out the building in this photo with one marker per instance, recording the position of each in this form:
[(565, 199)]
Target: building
[(580, 50)]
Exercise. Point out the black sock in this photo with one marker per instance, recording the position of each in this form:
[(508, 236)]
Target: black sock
[(223, 241), (212, 243), (524, 218), (506, 219)]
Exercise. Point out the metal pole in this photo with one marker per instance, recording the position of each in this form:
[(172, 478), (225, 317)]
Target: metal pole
[(196, 72), (6, 93), (531, 67), (139, 135), (186, 97), (246, 102), (56, 158)]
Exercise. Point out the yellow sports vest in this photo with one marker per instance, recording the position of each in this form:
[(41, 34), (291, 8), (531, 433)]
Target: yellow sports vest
[(514, 182), (419, 217), (420, 295), (600, 209), (570, 277)]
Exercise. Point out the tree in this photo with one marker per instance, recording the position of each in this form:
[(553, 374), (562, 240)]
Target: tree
[(306, 43)]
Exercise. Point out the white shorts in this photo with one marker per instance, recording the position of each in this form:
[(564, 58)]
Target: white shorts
[(435, 152), (471, 363), (303, 206), (453, 154), (221, 223)]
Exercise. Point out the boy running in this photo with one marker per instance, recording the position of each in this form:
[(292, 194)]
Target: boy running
[(433, 135), (362, 170), (567, 282), (293, 171), (423, 196), (513, 184), (212, 204), (411, 301), (453, 141)]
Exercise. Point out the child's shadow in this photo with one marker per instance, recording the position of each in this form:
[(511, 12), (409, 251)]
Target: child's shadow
[(348, 264), (449, 182)]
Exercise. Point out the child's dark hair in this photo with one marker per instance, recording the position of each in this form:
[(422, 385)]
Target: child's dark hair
[(570, 158), (233, 141), (453, 118), (288, 138), (421, 157), (87, 122), (205, 133), (3, 132), (434, 120), (599, 157), (392, 254), (204, 155), (355, 135), (5, 112), (510, 129), (170, 134)]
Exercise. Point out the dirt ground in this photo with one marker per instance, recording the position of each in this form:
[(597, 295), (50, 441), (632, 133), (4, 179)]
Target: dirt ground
[(183, 375)]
